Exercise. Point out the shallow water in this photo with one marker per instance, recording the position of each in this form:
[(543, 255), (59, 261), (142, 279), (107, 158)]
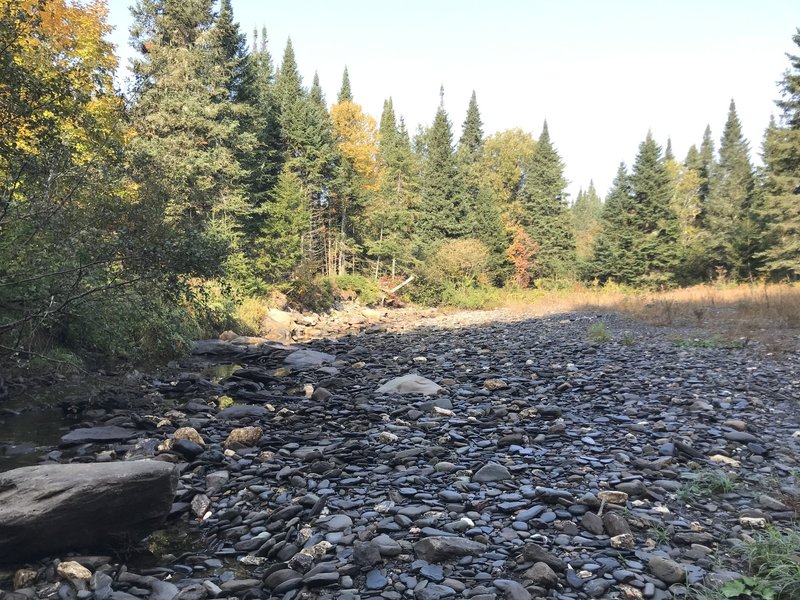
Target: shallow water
[(31, 423)]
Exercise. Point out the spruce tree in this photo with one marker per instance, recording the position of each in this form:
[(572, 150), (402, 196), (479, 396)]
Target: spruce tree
[(730, 221), (706, 163), (442, 211), (613, 249), (471, 143), (782, 179), (231, 44), (345, 93), (188, 135), (638, 242), (545, 212), (586, 213)]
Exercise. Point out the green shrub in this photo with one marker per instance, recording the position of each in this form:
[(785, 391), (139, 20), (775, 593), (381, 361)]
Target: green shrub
[(598, 332), (475, 298), (367, 289), (311, 293), (250, 314)]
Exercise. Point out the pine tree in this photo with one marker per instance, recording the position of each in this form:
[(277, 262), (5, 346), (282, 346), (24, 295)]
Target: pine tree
[(545, 212), (442, 211), (729, 216), (668, 155), (782, 179), (288, 85), (316, 95), (345, 94)]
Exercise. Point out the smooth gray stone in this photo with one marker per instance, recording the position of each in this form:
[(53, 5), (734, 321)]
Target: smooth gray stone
[(52, 508), (108, 433)]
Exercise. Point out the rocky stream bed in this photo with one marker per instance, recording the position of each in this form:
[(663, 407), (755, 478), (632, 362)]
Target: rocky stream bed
[(524, 461)]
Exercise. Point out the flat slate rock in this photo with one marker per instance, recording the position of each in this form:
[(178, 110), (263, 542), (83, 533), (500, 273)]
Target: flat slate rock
[(109, 433)]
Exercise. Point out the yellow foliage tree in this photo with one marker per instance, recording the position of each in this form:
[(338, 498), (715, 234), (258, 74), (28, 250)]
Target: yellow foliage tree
[(356, 135)]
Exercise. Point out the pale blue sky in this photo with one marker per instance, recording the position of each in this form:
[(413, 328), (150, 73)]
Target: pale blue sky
[(601, 72)]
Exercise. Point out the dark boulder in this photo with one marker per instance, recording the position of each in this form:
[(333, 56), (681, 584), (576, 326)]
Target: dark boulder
[(54, 508)]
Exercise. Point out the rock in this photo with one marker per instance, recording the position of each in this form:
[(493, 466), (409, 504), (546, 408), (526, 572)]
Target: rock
[(97, 434), (243, 437), (735, 424), (283, 317), (613, 497), (772, 504), (667, 570), (24, 578), (73, 570), (615, 524), (442, 548), (376, 580), (366, 554), (188, 449), (725, 460), (200, 505), (535, 553), (541, 574), (410, 384), (241, 411), (283, 580), (228, 335), (513, 589), (52, 508), (592, 523), (273, 330), (188, 433), (753, 522), (631, 488), (624, 541), (492, 472), (495, 384), (307, 359)]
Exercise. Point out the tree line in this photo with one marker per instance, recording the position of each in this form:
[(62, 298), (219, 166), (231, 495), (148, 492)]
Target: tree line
[(129, 224)]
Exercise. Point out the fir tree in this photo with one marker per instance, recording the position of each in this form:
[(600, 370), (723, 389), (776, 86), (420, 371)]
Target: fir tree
[(613, 250), (729, 217), (545, 212), (668, 155), (288, 85), (782, 178), (231, 44), (442, 211), (345, 94)]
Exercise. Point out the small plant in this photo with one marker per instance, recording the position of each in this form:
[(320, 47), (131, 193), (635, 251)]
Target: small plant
[(598, 332), (774, 557), (660, 533), (707, 483), (628, 339), (713, 342), (225, 402)]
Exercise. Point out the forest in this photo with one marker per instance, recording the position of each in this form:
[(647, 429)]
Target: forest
[(132, 223)]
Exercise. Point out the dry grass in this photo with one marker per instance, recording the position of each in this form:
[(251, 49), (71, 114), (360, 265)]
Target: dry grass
[(767, 313)]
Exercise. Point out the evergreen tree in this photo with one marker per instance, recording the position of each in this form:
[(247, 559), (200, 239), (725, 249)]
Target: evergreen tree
[(692, 160), (316, 95), (288, 88), (782, 178), (706, 163), (668, 155), (613, 250), (279, 243), (442, 211), (545, 212), (638, 243), (231, 44), (730, 220), (345, 94), (586, 220), (390, 218), (471, 143), (188, 136)]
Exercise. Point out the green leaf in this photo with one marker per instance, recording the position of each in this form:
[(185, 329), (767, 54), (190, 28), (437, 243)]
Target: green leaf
[(734, 588)]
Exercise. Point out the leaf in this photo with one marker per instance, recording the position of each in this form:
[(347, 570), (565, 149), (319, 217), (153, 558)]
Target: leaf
[(733, 588)]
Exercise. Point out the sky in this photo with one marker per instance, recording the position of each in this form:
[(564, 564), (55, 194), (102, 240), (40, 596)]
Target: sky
[(602, 73)]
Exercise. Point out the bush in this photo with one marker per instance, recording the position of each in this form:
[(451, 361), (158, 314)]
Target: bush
[(250, 314), (478, 298), (367, 289), (311, 293)]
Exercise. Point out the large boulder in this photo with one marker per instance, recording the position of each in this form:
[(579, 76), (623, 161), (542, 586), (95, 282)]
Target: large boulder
[(54, 508)]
